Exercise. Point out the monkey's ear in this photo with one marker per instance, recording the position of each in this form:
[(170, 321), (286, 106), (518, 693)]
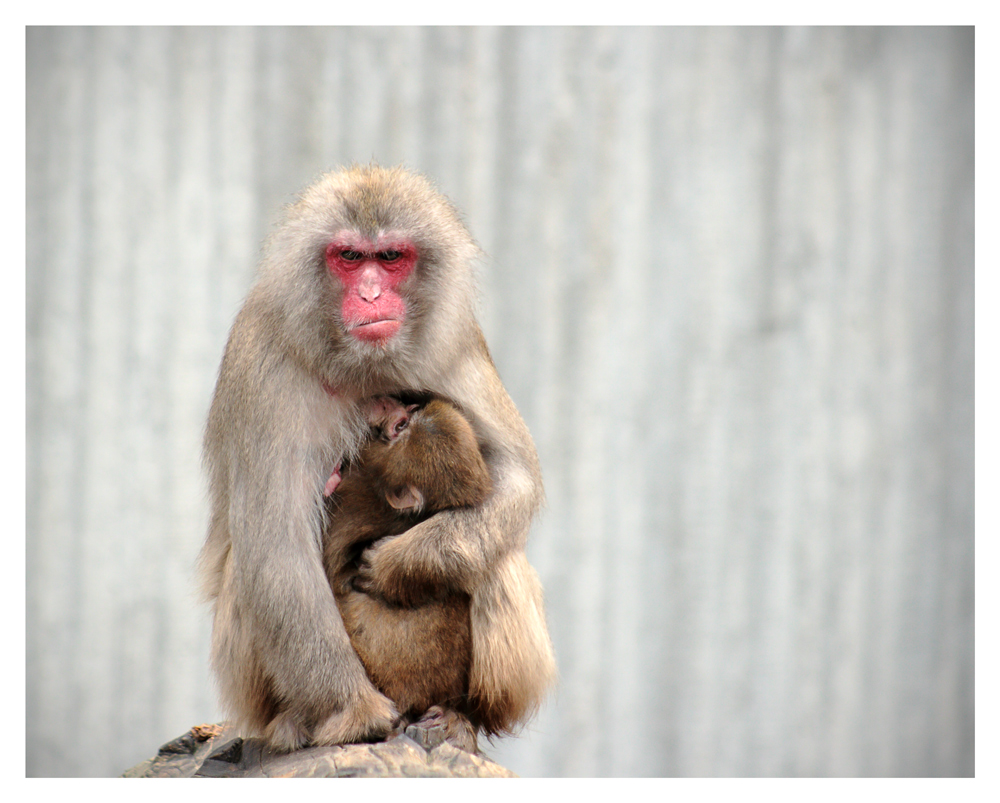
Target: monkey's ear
[(406, 498)]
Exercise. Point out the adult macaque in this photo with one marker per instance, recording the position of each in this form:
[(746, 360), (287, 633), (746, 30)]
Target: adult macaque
[(366, 289), (421, 460)]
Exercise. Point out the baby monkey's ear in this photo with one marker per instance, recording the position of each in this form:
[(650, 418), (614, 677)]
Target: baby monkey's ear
[(406, 498)]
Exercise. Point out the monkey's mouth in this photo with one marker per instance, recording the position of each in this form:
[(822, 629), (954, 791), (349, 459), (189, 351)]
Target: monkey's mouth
[(375, 331)]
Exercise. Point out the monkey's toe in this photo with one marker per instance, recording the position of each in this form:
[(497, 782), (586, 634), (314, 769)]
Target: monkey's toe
[(439, 725), (284, 734), (370, 720)]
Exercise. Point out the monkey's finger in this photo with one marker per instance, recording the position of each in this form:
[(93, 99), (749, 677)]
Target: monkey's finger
[(362, 580)]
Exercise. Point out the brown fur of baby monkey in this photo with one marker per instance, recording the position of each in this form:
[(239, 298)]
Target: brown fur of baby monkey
[(420, 460)]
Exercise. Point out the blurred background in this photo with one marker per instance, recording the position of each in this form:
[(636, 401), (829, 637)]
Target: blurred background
[(729, 284)]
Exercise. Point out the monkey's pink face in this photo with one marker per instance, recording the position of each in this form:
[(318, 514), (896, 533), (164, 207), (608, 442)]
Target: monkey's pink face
[(371, 274)]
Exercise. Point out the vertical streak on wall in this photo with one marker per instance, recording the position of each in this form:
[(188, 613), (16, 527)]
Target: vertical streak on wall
[(631, 303), (58, 99)]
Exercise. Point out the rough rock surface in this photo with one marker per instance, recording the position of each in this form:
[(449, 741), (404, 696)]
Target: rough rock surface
[(213, 751)]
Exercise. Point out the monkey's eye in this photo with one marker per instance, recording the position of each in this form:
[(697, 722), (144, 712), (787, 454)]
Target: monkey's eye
[(351, 256), (389, 256)]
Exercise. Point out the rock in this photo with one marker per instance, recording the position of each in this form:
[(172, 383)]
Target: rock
[(214, 751)]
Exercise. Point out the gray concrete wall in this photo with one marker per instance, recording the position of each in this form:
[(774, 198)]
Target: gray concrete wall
[(729, 285)]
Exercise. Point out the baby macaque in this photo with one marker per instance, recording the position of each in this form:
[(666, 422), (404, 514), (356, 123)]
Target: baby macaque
[(418, 461)]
